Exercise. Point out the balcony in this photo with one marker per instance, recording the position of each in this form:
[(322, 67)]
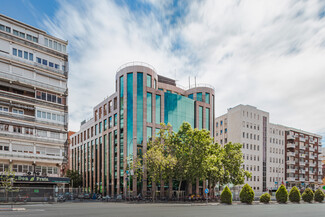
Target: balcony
[(302, 147), (311, 156), (311, 141), (311, 149), (291, 154), (291, 179), (311, 180), (312, 164), (302, 155), (290, 162), (302, 171), (320, 180), (291, 170), (291, 145), (302, 179), (302, 139), (290, 136), (301, 163)]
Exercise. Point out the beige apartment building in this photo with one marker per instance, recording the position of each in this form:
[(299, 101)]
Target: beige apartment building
[(33, 103), (266, 152)]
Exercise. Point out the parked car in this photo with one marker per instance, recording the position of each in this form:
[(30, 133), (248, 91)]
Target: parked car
[(81, 196), (119, 197), (86, 196)]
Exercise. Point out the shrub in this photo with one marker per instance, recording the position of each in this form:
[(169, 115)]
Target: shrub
[(246, 194), (308, 195), (226, 196), (319, 195), (265, 198), (281, 194), (294, 195)]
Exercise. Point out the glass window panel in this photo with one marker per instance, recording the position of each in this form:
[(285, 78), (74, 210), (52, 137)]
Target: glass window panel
[(199, 97), (20, 53), (149, 81), (190, 96), (139, 108), (31, 57), (14, 51), (26, 55), (207, 98), (200, 117), (158, 109), (149, 107), (129, 114), (207, 120)]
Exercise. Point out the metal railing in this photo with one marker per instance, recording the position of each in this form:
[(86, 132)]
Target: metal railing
[(136, 63)]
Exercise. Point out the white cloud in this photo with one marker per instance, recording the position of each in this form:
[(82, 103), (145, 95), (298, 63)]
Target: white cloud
[(265, 53)]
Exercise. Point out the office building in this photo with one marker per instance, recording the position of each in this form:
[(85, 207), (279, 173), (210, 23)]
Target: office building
[(122, 124), (267, 151), (33, 103)]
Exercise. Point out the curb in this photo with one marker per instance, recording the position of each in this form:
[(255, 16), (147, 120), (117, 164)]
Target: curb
[(13, 209)]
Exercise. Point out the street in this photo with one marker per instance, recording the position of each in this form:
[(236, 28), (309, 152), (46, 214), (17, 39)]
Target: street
[(160, 210)]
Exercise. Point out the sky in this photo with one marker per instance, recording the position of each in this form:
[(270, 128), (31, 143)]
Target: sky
[(269, 54)]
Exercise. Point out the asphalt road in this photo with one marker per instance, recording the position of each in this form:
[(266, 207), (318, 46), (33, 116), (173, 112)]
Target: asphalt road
[(159, 210)]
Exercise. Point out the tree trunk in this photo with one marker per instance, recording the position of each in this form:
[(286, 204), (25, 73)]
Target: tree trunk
[(179, 189), (153, 191), (170, 188)]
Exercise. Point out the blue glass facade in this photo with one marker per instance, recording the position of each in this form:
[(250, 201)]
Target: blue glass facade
[(207, 98), (129, 114), (200, 117), (178, 109), (207, 118), (149, 107), (139, 108), (158, 109), (199, 97)]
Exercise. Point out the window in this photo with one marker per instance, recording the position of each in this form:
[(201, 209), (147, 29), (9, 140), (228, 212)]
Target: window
[(29, 37), (18, 111), (44, 62), (51, 64), (149, 107), (50, 43), (31, 57), (207, 98), (190, 96), (149, 80), (56, 66), (35, 39), (115, 119), (199, 97), (26, 55), (22, 35), (15, 32), (2, 27), (38, 60), (20, 53), (14, 51), (8, 29), (46, 42)]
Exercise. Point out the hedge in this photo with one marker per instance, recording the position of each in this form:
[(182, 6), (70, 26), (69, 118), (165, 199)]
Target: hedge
[(294, 195), (281, 194), (319, 195), (246, 194), (265, 198), (226, 196), (308, 195)]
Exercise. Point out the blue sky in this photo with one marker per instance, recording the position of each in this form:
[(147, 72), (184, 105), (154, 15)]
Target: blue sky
[(269, 54)]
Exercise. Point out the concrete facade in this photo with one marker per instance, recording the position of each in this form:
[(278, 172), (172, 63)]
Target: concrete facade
[(33, 100), (265, 149)]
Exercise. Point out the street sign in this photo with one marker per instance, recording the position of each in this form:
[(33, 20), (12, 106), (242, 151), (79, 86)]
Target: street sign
[(206, 190)]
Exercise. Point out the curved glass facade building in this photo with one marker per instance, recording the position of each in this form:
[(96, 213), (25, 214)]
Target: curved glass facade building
[(123, 123)]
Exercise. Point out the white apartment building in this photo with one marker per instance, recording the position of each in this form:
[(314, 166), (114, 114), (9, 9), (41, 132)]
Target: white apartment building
[(264, 146), (33, 101)]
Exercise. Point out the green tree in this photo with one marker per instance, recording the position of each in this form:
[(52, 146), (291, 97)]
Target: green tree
[(7, 182), (281, 194), (226, 196), (232, 162), (308, 195), (246, 194), (265, 198), (319, 195), (214, 166), (159, 157), (75, 178), (294, 195)]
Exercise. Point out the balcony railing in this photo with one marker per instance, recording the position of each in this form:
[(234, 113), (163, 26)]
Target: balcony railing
[(291, 154), (291, 170), (311, 149), (291, 179), (291, 145), (302, 179), (301, 163), (311, 156), (302, 155), (312, 164), (302, 139), (291, 162), (302, 147), (290, 136)]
